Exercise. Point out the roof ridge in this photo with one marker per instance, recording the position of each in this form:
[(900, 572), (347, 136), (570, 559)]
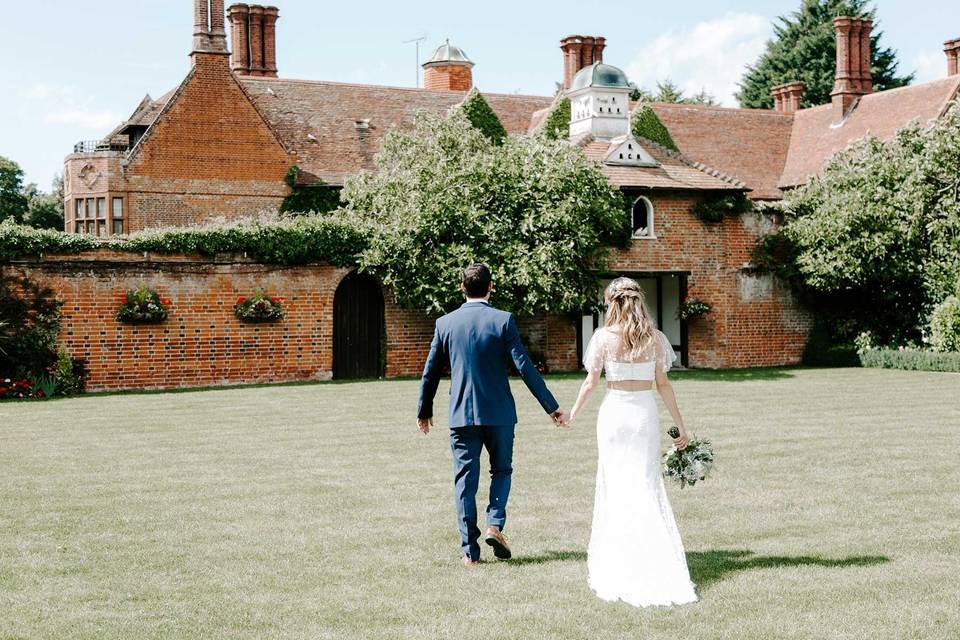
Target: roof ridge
[(708, 107), (383, 86), (710, 171)]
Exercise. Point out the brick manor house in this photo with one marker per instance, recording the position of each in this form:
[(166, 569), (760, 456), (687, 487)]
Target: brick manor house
[(220, 144)]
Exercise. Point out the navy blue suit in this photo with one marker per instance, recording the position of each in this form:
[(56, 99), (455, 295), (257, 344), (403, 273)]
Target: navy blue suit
[(480, 343)]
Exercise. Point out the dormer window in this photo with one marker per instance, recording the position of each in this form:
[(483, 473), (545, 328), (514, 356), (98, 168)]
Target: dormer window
[(641, 218)]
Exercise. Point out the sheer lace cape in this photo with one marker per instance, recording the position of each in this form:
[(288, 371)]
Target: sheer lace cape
[(606, 348)]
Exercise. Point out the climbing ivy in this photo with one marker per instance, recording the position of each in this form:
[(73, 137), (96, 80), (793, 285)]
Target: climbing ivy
[(556, 126), (714, 209), (482, 117), (311, 198), (645, 124)]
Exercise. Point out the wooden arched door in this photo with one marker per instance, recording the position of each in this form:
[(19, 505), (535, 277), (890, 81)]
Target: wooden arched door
[(358, 330)]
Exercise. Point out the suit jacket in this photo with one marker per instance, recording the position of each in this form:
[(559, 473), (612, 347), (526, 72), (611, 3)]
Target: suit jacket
[(479, 342)]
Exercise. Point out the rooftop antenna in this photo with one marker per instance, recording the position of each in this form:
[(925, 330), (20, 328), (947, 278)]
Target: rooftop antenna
[(416, 42)]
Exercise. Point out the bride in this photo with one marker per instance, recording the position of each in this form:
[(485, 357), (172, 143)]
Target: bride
[(635, 553)]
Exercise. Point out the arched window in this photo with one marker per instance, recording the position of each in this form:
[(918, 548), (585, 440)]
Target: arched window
[(642, 218)]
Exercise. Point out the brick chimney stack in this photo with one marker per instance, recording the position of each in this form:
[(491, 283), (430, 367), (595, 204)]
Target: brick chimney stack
[(952, 49), (787, 97), (853, 76), (208, 34), (253, 36), (579, 52)]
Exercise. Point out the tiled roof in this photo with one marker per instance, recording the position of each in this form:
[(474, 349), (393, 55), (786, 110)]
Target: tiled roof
[(815, 140), (333, 114), (749, 144), (674, 172)]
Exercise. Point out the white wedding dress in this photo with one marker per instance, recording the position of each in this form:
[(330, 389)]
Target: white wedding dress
[(635, 553)]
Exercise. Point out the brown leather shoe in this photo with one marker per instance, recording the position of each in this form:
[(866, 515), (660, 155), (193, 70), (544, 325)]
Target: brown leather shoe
[(496, 540), (467, 562)]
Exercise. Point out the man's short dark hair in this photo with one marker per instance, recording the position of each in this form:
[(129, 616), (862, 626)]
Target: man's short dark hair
[(476, 280)]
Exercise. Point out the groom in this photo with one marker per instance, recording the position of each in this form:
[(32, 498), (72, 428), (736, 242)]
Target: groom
[(479, 343)]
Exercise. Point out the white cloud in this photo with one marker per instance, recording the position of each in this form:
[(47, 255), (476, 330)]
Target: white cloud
[(82, 116), (65, 105), (930, 65), (710, 55)]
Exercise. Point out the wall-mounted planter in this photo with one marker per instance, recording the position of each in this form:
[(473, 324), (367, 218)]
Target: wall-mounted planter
[(259, 308), (142, 306)]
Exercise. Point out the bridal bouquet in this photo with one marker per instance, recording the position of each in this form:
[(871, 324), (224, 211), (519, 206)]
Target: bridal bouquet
[(691, 464)]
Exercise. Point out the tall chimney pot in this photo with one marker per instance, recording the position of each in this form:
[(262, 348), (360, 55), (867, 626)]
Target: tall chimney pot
[(787, 97), (580, 52), (201, 26), (853, 75), (952, 49), (270, 15), (256, 40), (239, 38)]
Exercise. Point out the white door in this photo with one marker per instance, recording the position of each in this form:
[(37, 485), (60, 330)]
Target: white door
[(662, 306)]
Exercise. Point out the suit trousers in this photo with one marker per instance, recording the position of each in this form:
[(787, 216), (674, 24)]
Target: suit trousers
[(467, 443)]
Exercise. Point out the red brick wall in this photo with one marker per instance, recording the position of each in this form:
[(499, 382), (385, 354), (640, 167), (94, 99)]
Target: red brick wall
[(448, 77), (754, 322), (209, 155), (202, 342)]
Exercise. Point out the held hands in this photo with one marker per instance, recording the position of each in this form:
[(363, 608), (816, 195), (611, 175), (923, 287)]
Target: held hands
[(424, 425), (559, 418)]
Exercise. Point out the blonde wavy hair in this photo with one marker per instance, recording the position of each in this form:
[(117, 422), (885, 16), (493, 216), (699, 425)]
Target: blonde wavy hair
[(627, 312)]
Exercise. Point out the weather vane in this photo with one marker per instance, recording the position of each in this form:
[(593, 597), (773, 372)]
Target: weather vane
[(417, 42)]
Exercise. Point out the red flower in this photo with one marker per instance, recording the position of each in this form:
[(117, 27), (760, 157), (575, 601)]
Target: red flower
[(241, 300), (165, 301)]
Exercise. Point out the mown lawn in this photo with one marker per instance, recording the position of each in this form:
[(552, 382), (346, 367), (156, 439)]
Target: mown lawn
[(318, 511)]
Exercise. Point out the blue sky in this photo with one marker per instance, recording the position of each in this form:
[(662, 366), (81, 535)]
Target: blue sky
[(72, 70)]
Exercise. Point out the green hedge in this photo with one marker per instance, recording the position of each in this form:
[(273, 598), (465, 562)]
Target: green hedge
[(910, 359), (20, 240), (308, 238)]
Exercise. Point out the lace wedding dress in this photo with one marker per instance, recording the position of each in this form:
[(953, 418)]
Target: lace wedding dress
[(635, 553)]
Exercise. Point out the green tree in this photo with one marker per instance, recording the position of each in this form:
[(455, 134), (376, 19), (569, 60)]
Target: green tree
[(668, 91), (875, 241), (483, 117), (13, 202), (536, 210), (45, 210), (804, 49)]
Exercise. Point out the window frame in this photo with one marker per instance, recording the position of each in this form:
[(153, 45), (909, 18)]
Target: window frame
[(651, 234)]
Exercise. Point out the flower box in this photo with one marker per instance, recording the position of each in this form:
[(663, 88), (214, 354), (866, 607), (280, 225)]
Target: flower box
[(142, 306), (259, 308)]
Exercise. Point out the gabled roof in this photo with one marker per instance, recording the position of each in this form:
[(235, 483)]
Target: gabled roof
[(750, 144), (348, 121), (815, 140), (674, 171)]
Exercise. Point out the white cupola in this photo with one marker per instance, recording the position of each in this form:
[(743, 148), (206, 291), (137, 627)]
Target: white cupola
[(599, 102)]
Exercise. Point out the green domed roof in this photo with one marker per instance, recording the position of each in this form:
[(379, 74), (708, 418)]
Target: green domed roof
[(599, 75), (447, 53)]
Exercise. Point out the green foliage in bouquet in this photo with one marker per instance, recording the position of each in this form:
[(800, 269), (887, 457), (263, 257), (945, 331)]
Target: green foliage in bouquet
[(141, 306), (690, 465), (259, 308), (692, 308), (539, 212)]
